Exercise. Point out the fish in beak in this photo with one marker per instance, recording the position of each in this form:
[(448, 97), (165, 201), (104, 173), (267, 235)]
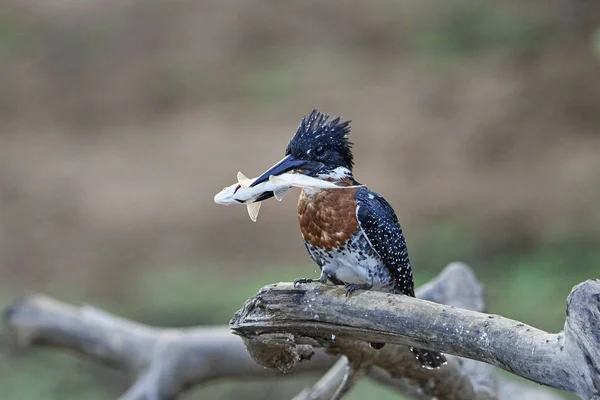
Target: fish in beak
[(290, 164), (276, 186)]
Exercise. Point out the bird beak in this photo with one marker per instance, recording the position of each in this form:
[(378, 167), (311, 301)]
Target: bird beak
[(287, 164)]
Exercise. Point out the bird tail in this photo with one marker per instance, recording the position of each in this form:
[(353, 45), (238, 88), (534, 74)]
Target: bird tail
[(429, 359)]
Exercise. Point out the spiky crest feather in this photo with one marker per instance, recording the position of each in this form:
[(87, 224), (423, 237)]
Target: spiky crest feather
[(317, 129)]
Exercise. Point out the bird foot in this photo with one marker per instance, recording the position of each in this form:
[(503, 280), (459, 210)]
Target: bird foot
[(352, 287), (300, 281)]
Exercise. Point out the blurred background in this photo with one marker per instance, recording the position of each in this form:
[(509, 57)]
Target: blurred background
[(121, 119)]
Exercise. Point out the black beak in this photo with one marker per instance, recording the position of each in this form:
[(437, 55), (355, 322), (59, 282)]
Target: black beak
[(288, 163)]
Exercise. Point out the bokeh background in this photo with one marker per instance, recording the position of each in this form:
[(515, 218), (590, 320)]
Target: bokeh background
[(120, 120)]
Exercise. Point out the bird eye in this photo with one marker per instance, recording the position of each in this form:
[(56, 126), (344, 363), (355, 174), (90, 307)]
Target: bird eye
[(319, 151)]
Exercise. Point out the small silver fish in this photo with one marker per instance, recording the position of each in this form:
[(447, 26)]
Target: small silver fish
[(242, 193)]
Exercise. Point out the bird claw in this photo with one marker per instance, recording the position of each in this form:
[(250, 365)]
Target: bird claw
[(300, 281), (350, 288)]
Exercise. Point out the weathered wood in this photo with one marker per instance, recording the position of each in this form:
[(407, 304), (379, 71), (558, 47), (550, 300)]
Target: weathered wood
[(314, 314), (165, 362), (463, 379)]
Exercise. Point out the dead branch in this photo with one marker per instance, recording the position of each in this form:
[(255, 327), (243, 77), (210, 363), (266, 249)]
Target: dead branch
[(463, 379), (282, 318), (467, 379), (165, 362)]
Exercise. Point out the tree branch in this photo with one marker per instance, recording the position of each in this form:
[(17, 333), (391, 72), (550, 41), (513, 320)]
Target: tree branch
[(166, 361), (282, 318), (326, 387), (456, 285)]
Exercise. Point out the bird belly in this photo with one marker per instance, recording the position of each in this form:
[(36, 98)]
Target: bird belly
[(354, 262), (349, 268)]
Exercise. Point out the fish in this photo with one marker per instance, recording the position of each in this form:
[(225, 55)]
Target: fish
[(242, 193), (232, 195)]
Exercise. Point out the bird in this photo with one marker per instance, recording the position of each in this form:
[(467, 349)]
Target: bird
[(353, 235)]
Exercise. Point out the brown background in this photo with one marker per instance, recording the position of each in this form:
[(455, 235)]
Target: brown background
[(120, 120)]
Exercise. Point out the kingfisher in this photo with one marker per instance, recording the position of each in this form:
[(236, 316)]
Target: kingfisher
[(352, 234)]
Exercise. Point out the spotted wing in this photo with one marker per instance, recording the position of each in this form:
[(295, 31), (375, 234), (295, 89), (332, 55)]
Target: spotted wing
[(380, 225)]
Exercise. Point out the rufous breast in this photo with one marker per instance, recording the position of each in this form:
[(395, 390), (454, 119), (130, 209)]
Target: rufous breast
[(327, 217)]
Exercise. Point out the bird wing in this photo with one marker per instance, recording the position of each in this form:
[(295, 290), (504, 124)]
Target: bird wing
[(379, 223)]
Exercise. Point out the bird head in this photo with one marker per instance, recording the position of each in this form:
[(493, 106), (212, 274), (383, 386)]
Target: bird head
[(320, 148)]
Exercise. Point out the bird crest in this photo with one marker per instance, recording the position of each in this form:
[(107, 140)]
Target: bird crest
[(323, 137)]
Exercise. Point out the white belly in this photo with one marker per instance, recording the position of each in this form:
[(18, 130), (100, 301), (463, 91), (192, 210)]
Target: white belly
[(349, 269), (357, 262)]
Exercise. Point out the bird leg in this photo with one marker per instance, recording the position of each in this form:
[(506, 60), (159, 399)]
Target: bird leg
[(323, 279), (352, 287)]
